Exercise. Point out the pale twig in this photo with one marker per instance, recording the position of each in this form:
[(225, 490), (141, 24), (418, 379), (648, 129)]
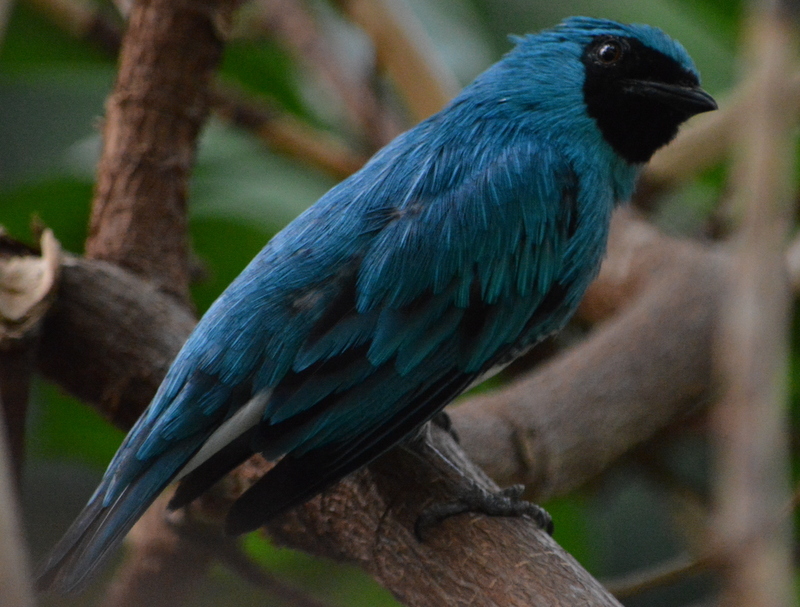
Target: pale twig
[(286, 134), (663, 574), (291, 22), (406, 52), (750, 420), (15, 576)]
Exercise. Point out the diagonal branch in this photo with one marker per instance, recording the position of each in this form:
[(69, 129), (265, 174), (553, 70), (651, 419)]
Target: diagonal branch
[(291, 22)]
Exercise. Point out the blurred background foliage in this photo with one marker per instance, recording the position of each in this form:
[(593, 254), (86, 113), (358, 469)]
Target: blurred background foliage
[(52, 90)]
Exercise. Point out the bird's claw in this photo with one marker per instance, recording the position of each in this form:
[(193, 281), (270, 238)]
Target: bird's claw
[(507, 502)]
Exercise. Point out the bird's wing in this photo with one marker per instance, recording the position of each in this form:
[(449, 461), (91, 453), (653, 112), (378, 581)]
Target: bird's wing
[(445, 288)]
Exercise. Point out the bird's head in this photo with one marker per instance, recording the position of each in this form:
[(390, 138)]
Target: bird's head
[(636, 83)]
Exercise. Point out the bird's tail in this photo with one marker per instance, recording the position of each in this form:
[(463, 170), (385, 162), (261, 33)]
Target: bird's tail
[(101, 526)]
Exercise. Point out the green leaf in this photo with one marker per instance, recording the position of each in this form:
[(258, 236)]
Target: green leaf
[(33, 41), (263, 67), (60, 203)]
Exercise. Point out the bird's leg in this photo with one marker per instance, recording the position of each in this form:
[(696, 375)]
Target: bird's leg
[(471, 497)]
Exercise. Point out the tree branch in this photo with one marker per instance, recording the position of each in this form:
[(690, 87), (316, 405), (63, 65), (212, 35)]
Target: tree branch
[(285, 134), (111, 337), (368, 519), (153, 117)]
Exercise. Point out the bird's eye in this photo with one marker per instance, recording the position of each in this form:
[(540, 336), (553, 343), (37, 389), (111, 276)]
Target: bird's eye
[(609, 52)]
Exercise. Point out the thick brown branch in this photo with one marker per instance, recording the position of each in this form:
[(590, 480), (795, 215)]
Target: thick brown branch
[(111, 337), (368, 519), (159, 103)]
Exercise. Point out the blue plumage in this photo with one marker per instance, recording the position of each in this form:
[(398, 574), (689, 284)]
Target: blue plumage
[(458, 246)]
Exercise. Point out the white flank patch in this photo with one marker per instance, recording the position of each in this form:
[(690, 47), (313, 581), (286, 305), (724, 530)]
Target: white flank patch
[(241, 421)]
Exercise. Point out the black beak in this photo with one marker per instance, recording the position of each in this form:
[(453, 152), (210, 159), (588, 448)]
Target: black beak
[(689, 100)]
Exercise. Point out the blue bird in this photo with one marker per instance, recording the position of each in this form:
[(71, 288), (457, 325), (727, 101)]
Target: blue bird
[(456, 248)]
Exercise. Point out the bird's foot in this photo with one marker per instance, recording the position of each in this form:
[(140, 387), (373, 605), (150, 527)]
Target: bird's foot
[(507, 502)]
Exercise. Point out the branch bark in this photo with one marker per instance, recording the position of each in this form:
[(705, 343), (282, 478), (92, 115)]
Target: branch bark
[(153, 117), (368, 519)]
